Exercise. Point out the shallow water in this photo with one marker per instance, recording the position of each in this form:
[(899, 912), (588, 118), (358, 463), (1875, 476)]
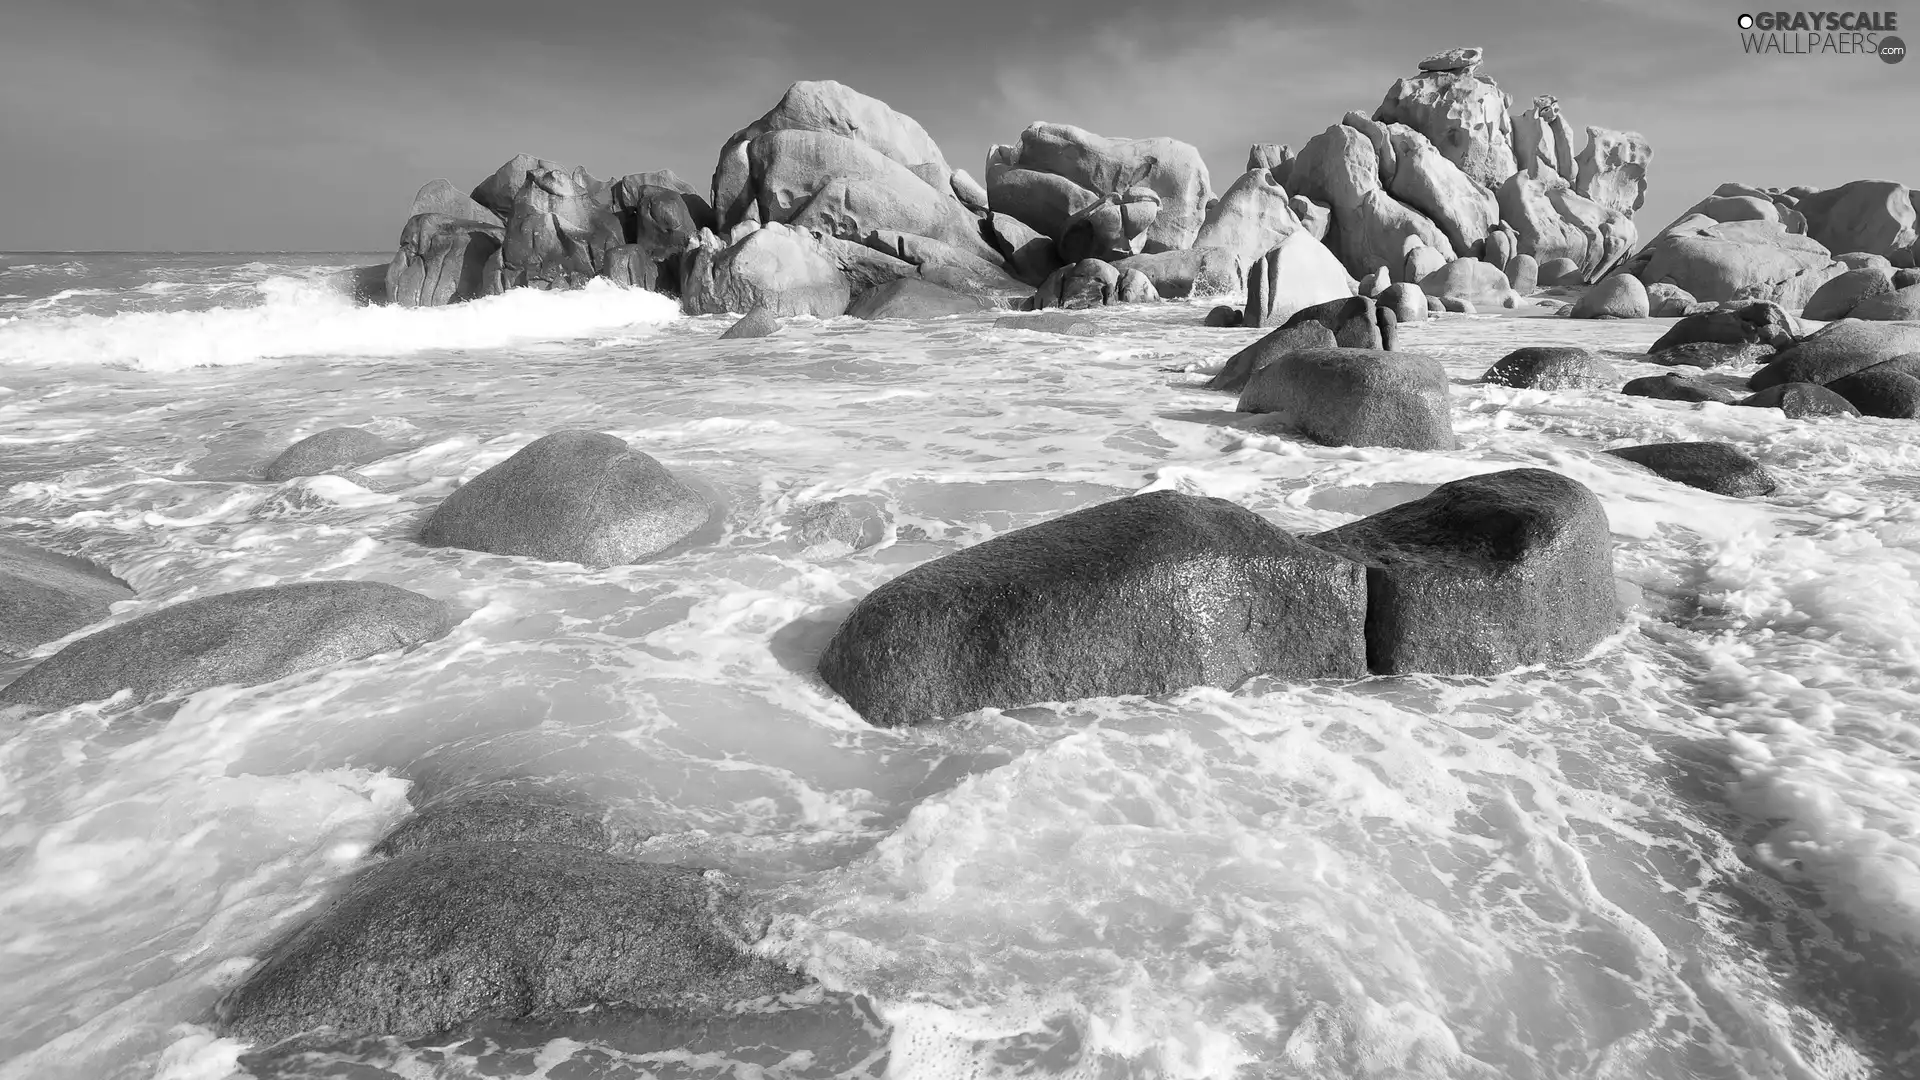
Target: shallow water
[(1692, 855)]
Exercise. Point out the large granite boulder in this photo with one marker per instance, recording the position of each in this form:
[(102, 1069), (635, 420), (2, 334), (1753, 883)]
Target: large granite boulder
[(1298, 273), (833, 109), (1897, 305), (1198, 271), (1148, 594), (1612, 170), (1251, 219), (626, 193), (1875, 216), (1721, 468), (1756, 256), (846, 188), (558, 233), (1758, 323), (1340, 168), (327, 451), (1880, 391), (1619, 296), (573, 496), (497, 192), (443, 260), (1102, 166), (424, 942), (1836, 350), (1463, 115), (1552, 367), (1297, 334), (441, 197), (1837, 297), (778, 267), (1553, 221), (1356, 397), (1484, 575), (1424, 179), (1800, 400), (44, 596), (241, 638), (500, 811)]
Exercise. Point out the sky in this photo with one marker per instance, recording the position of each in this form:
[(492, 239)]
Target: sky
[(266, 125)]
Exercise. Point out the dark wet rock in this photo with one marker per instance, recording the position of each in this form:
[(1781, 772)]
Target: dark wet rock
[(1223, 315), (496, 193), (1906, 277), (573, 496), (1762, 322), (364, 285), (1086, 284), (909, 298), (1836, 350), (1906, 364), (1880, 391), (827, 528), (559, 232), (757, 323), (1356, 397), (241, 638), (427, 941), (1147, 594), (443, 260), (1802, 399), (1721, 468), (498, 812), (1484, 575), (1673, 387), (1711, 354), (1549, 367), (1294, 337), (1839, 295), (327, 451), (45, 596)]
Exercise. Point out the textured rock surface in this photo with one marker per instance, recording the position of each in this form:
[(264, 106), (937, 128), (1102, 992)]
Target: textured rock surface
[(44, 596), (1547, 367), (325, 452), (1717, 467), (1674, 387), (1800, 399), (1356, 397)]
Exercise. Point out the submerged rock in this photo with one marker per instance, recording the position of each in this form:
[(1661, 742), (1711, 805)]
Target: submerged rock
[(573, 496), (1721, 468), (1802, 399), (241, 638), (1356, 397), (1350, 323), (1484, 575), (1673, 387), (325, 452), (757, 323), (1143, 595), (46, 596), (1547, 367)]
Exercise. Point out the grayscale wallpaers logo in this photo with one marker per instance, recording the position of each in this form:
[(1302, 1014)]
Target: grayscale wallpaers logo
[(1809, 33)]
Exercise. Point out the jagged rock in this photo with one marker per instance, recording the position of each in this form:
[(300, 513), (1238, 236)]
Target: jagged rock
[(572, 496), (1112, 228), (1484, 575), (1465, 117), (1201, 271), (1029, 255), (1142, 595), (1612, 170), (1668, 301), (1621, 296), (1548, 367), (1471, 280), (498, 191), (441, 197), (1836, 350), (846, 188), (757, 323), (1251, 219), (1876, 216), (829, 108), (1424, 179), (1717, 467), (45, 596), (1299, 273), (1316, 219), (241, 638), (1553, 221), (909, 298), (1462, 60), (327, 451), (422, 943), (1672, 387), (443, 260), (1099, 166), (1880, 391), (1356, 397), (776, 267), (1898, 305), (558, 234), (1799, 400)]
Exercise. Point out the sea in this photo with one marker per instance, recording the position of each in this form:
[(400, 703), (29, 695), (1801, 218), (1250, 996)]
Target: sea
[(1693, 854)]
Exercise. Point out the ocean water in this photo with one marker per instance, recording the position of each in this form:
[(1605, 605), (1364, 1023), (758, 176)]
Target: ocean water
[(1691, 855)]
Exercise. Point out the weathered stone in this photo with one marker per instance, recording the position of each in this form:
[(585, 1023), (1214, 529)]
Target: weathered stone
[(1836, 350), (1674, 387), (1875, 216), (1556, 271), (1547, 367), (1252, 218), (1667, 301), (1356, 397), (1612, 170), (1710, 466), (1085, 284), (558, 233), (1297, 335), (776, 267), (1801, 399), (1299, 273), (908, 298), (1762, 322), (1223, 316), (1837, 297), (1620, 296), (506, 811), (1029, 255), (1463, 116), (497, 192), (1880, 391), (443, 260), (327, 451), (757, 323), (1473, 280), (441, 197), (1897, 305), (1092, 163), (1710, 354), (1405, 300), (44, 596), (1200, 271)]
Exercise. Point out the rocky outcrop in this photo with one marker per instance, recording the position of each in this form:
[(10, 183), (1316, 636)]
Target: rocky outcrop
[(845, 188), (573, 496), (1472, 280), (1836, 350), (1880, 391), (776, 267), (1356, 397), (1464, 115), (1553, 221), (44, 596), (1738, 244), (1899, 305), (1251, 219), (498, 191), (558, 233), (1837, 297), (1612, 169), (1873, 216), (327, 451), (241, 638), (443, 260), (441, 197), (1093, 283), (1143, 595), (1298, 273), (1057, 170), (1620, 296), (1427, 181)]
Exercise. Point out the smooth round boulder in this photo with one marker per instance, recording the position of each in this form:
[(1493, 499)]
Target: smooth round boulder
[(1551, 367), (757, 323), (1356, 397), (44, 596), (1558, 271), (1224, 316), (1895, 305), (1405, 300), (1668, 301), (1721, 468), (328, 451), (1147, 594), (573, 496), (1800, 399), (424, 942), (1351, 323), (1523, 273), (911, 298), (1838, 296), (241, 638), (1484, 575), (1621, 296), (1880, 391), (1710, 354), (1673, 387), (1836, 350)]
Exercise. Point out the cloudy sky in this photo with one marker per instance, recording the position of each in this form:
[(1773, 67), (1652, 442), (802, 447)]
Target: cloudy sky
[(276, 125)]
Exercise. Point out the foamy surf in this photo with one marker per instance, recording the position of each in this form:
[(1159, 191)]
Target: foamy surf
[(308, 317)]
